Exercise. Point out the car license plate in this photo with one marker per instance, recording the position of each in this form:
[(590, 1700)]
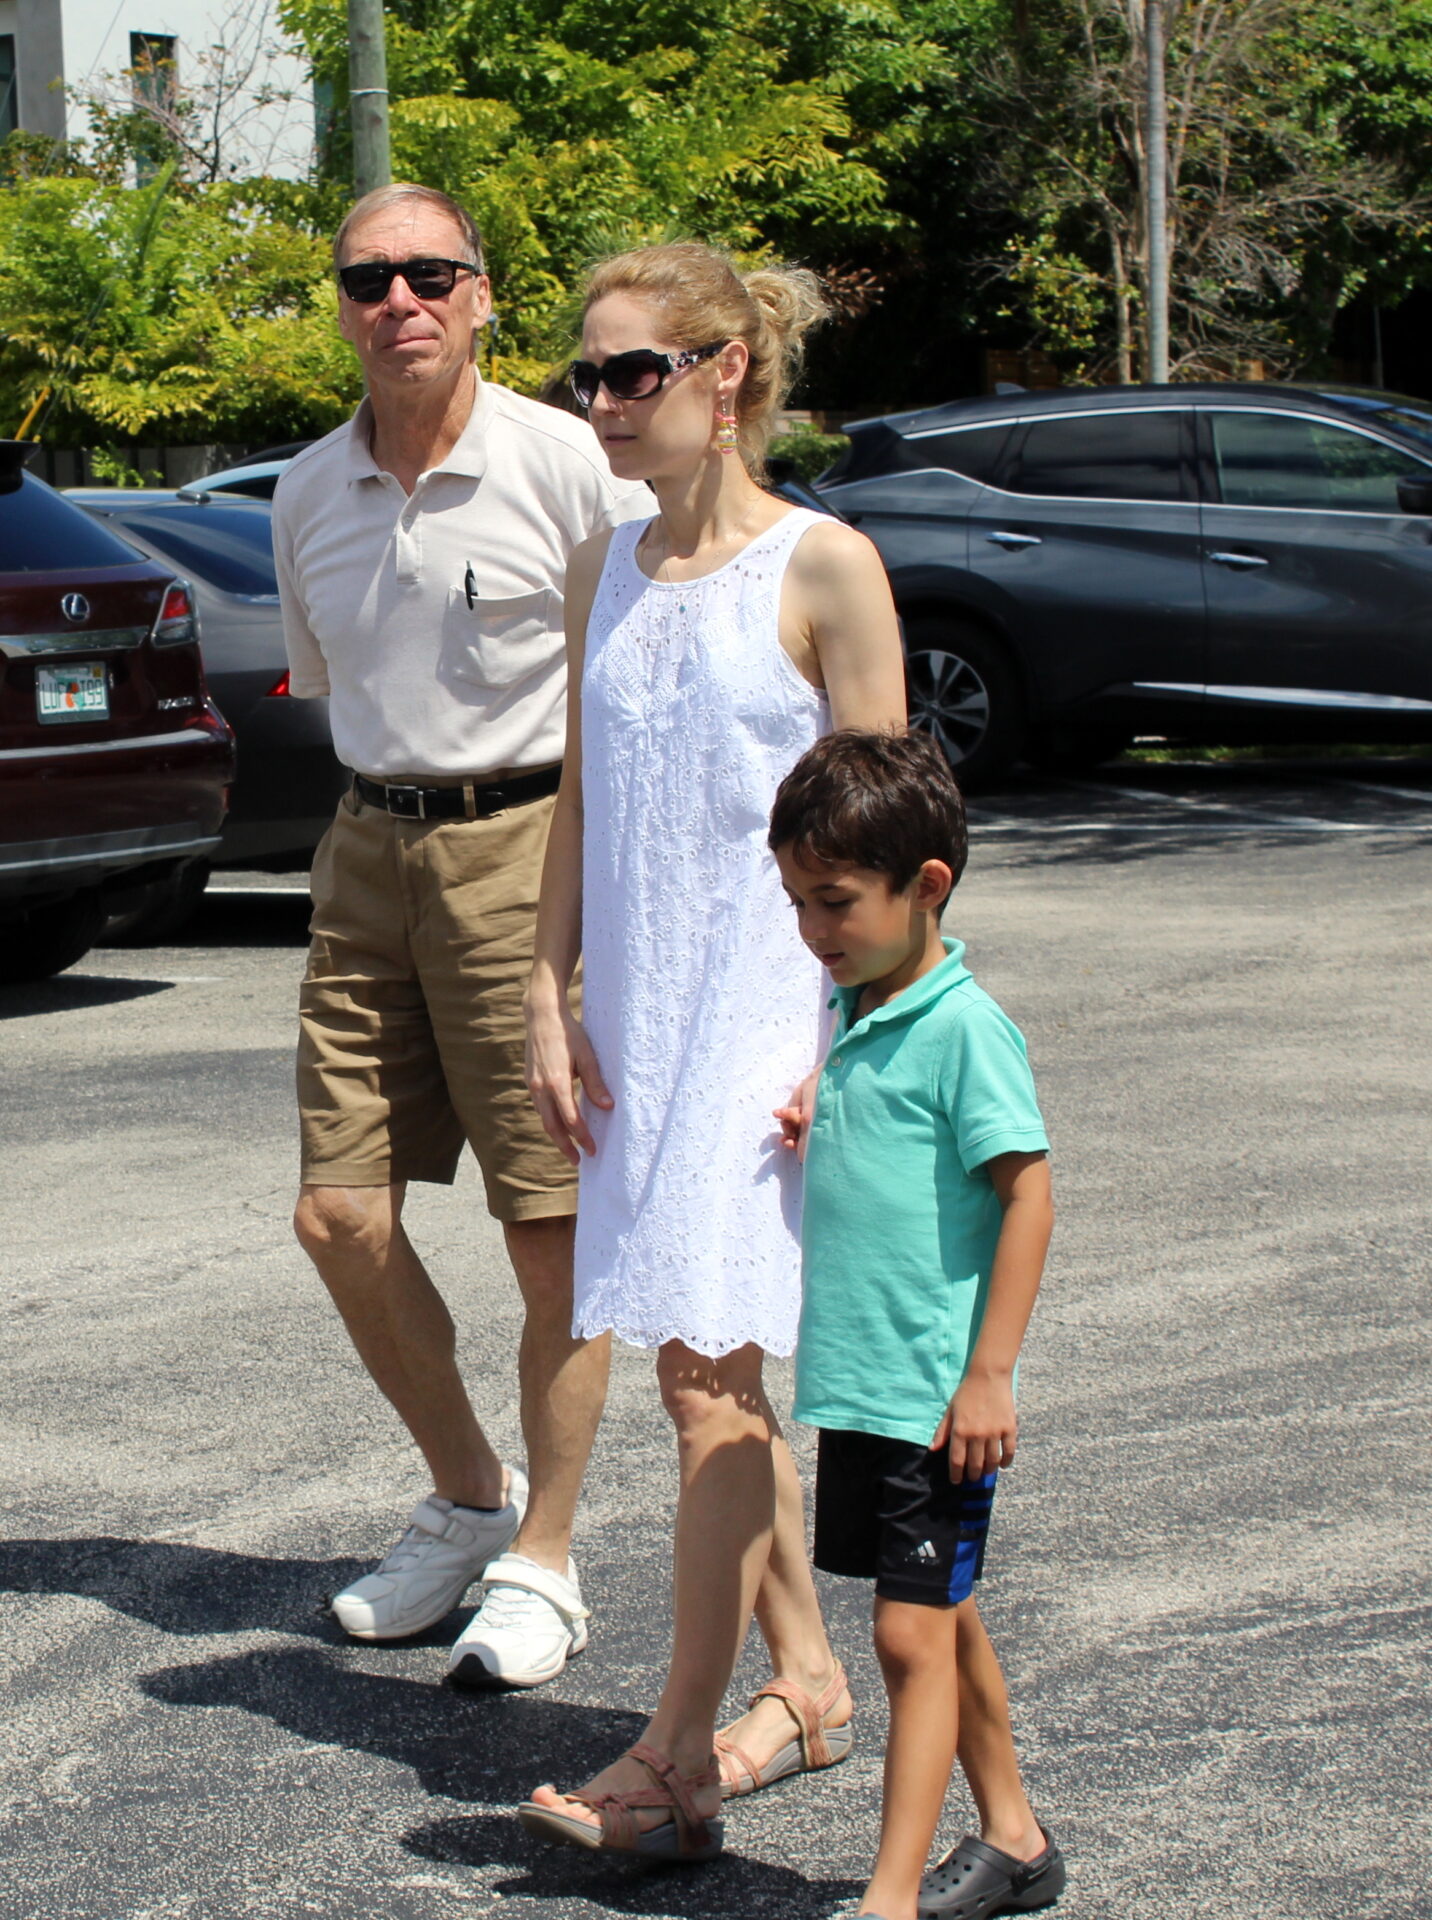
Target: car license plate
[(78, 692)]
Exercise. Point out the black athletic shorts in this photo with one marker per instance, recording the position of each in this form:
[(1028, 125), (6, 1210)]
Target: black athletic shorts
[(887, 1511)]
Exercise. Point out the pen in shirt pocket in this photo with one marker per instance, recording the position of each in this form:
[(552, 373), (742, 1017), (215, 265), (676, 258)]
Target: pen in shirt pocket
[(469, 587)]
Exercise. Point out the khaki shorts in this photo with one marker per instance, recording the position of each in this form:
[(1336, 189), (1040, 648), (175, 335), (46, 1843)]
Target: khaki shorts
[(410, 1014)]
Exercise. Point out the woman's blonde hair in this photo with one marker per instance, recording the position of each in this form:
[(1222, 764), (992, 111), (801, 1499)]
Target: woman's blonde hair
[(701, 298)]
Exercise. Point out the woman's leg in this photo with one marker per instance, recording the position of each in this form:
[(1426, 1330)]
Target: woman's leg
[(725, 1519), (788, 1614)]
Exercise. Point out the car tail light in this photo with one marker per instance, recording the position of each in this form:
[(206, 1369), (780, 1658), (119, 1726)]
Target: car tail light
[(280, 688), (178, 622)]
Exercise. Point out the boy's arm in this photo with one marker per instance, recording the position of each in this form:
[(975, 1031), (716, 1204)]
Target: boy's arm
[(980, 1426)]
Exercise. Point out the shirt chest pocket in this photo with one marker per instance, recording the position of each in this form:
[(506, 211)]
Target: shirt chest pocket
[(496, 643)]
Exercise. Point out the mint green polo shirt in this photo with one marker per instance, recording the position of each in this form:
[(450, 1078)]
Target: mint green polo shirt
[(900, 1217)]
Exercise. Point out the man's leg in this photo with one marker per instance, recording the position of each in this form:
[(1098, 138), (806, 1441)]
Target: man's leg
[(404, 1333), (563, 1384)]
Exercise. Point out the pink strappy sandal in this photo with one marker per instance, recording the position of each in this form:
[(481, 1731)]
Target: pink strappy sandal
[(685, 1836), (815, 1746)]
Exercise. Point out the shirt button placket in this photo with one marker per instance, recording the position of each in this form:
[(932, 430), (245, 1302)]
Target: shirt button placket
[(409, 541)]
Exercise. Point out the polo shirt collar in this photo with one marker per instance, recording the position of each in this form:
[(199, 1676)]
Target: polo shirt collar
[(468, 455), (951, 972)]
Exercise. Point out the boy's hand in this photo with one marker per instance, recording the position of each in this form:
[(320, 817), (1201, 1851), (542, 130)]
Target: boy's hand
[(795, 1117), (980, 1426)]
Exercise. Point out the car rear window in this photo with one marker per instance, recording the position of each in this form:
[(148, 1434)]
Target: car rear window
[(42, 533), (230, 547), (1101, 456)]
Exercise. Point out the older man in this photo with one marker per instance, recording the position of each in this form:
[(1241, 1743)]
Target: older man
[(421, 552)]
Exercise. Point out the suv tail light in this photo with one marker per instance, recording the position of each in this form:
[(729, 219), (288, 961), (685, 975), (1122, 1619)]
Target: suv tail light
[(280, 688), (178, 622)]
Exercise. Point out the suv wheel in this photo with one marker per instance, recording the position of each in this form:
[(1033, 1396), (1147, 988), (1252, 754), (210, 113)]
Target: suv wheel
[(46, 940), (962, 689)]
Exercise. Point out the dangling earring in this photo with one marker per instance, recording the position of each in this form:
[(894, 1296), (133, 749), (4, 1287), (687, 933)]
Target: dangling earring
[(726, 432)]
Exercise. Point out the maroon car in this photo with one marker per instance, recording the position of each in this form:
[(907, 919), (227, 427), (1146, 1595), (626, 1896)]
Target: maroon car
[(114, 762)]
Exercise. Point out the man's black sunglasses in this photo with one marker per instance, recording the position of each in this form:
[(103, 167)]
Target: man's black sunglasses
[(632, 376), (368, 281)]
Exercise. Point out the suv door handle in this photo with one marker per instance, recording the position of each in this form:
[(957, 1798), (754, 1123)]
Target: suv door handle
[(1237, 560), (1015, 539)]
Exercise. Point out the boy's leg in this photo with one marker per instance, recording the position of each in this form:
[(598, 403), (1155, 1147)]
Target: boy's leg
[(917, 1647), (986, 1743)]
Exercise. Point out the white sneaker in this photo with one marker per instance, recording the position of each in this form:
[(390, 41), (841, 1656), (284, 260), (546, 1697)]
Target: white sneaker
[(529, 1625), (443, 1551)]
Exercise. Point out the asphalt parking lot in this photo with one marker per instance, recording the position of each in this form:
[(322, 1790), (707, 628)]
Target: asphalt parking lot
[(1209, 1570)]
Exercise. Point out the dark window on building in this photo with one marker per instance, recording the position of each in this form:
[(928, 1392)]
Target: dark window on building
[(972, 451), (40, 531), (153, 80), (1105, 456), (9, 95), (1279, 460), (152, 69)]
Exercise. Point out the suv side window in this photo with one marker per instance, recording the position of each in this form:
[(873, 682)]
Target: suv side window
[(972, 451), (1284, 460), (42, 533), (1102, 456)]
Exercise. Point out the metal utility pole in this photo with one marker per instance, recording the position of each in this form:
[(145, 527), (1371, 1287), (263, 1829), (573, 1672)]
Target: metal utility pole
[(1156, 190), (368, 96)]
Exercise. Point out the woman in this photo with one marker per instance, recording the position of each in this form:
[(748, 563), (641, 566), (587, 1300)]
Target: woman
[(711, 645)]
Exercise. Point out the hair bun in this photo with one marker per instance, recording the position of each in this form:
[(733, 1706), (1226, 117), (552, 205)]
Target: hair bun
[(791, 300)]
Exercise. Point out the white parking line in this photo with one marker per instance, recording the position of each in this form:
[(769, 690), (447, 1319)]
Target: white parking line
[(1420, 794), (1004, 824), (260, 893), (1303, 821)]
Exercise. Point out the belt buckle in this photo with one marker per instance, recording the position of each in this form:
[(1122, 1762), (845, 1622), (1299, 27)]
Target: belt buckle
[(411, 805)]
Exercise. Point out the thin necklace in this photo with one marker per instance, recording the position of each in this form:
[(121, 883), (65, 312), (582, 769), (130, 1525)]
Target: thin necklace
[(664, 577)]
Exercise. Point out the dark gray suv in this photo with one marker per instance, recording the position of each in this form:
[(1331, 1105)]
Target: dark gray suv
[(1232, 564)]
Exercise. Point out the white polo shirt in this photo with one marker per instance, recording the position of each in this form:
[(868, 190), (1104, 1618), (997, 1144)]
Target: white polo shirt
[(433, 621)]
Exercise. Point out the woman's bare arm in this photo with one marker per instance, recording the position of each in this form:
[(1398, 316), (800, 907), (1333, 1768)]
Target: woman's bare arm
[(844, 606), (559, 1055)]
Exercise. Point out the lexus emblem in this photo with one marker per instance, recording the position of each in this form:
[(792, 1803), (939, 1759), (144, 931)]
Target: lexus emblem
[(74, 606)]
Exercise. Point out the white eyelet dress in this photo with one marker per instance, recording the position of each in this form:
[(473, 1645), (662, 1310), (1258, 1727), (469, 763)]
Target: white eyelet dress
[(701, 1000)]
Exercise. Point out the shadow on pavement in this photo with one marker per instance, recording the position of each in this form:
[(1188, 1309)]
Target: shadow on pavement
[(181, 1589), (729, 1884), (489, 1747), (68, 991), (255, 919)]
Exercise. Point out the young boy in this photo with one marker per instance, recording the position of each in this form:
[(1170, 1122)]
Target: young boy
[(927, 1218)]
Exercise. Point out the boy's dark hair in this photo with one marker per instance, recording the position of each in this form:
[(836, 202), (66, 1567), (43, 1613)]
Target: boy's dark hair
[(885, 801)]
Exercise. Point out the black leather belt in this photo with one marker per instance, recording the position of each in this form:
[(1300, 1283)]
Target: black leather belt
[(473, 800)]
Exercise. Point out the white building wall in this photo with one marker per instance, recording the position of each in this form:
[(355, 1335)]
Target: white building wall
[(87, 44)]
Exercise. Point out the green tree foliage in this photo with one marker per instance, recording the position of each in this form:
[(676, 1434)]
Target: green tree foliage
[(1298, 131), (164, 314), (963, 172), (571, 129)]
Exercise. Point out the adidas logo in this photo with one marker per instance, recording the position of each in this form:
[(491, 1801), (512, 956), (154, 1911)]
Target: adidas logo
[(926, 1551)]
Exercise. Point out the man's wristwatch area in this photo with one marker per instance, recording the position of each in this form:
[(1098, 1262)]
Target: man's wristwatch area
[(471, 800)]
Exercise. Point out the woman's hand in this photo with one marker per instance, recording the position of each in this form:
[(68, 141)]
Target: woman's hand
[(560, 1059)]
